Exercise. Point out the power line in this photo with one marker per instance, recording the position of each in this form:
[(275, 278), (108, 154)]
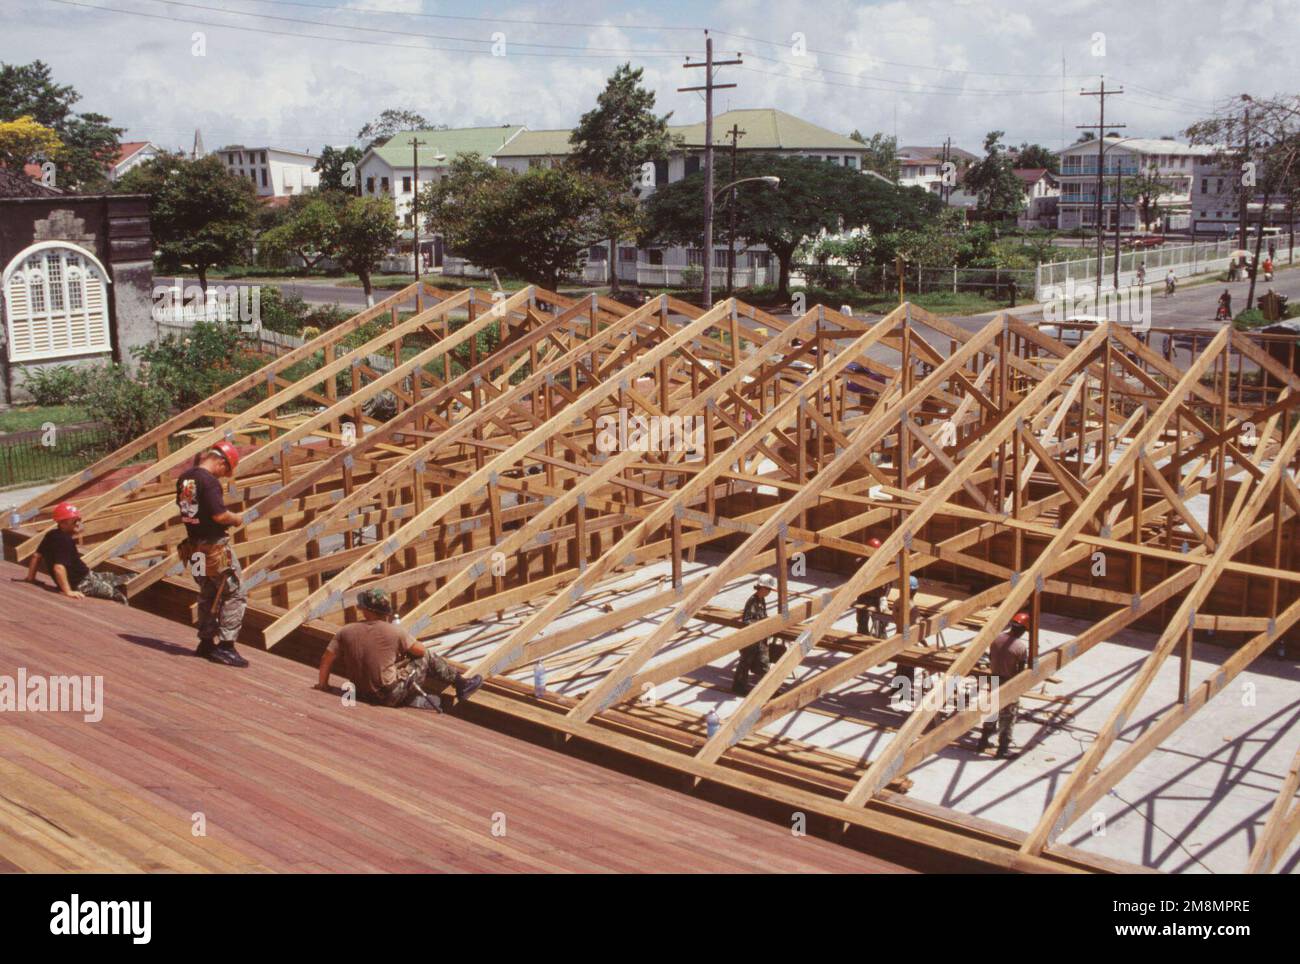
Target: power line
[(893, 90), (449, 16), (409, 33), (894, 63), (348, 40), (885, 80)]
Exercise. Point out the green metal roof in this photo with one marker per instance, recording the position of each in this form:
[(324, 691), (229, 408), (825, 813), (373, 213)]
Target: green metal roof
[(768, 129), (538, 144), (464, 140)]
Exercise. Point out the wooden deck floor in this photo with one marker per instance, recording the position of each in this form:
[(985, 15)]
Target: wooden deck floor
[(288, 779)]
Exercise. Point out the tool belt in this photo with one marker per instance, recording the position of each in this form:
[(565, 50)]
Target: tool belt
[(217, 558)]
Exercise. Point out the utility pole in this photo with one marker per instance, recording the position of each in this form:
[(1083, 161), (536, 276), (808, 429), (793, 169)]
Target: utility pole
[(416, 144), (1100, 127), (709, 87), (945, 191), (1243, 190), (735, 133)]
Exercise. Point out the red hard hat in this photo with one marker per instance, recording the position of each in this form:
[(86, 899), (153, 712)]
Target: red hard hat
[(1021, 619), (66, 510), (873, 542), (229, 453)]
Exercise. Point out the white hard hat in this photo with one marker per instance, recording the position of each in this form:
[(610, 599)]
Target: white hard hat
[(765, 582)]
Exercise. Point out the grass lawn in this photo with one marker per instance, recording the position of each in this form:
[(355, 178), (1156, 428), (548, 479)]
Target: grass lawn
[(29, 417)]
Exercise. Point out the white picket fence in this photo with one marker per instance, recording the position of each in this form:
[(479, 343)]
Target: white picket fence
[(1185, 260)]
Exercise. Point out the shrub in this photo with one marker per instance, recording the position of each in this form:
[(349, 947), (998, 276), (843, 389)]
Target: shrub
[(129, 407), (57, 385), (692, 276), (194, 366)]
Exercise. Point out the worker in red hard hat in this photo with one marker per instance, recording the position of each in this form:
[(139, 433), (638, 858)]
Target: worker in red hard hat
[(1008, 656), (873, 606), (207, 553), (73, 578)]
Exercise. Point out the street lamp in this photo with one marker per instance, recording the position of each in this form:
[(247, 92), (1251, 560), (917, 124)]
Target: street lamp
[(771, 179)]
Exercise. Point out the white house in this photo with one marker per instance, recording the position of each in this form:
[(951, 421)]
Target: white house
[(274, 171), (130, 154), (1042, 193), (764, 130)]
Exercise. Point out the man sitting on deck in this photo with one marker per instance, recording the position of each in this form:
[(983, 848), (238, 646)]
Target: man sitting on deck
[(58, 550), (1008, 656), (385, 664)]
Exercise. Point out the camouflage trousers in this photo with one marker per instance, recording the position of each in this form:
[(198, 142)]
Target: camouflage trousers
[(429, 670), (103, 585), (222, 602), (1003, 725), (755, 658)]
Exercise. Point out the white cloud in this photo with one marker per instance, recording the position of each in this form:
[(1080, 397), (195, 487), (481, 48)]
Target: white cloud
[(941, 68)]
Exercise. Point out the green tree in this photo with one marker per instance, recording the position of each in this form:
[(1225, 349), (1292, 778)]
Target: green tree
[(23, 140), (612, 141), (332, 167), (1144, 191), (1036, 155), (533, 225), (366, 228), (392, 122), (814, 198), (1000, 194), (308, 232), (89, 140), (1270, 169), (883, 153), (202, 215)]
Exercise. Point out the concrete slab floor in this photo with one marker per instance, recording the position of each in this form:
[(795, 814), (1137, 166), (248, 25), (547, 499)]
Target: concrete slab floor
[(1196, 804)]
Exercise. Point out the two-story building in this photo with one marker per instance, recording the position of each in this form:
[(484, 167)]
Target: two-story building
[(762, 131), (1216, 199), (414, 159), (1126, 157), (1042, 192), (274, 171)]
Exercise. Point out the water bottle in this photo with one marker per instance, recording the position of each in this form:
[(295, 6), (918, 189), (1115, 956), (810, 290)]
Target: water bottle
[(539, 680), (712, 723)]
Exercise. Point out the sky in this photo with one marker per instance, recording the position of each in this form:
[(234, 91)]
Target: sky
[(300, 74)]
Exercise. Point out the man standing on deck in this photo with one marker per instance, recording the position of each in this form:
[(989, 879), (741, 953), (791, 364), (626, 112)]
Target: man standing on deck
[(207, 553), (755, 657), (1008, 656), (385, 664)]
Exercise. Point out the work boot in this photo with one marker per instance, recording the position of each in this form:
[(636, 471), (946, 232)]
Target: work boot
[(205, 648), (983, 743), (465, 688), (1007, 751), (226, 655)]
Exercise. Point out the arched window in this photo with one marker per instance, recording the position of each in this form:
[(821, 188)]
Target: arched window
[(55, 303)]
